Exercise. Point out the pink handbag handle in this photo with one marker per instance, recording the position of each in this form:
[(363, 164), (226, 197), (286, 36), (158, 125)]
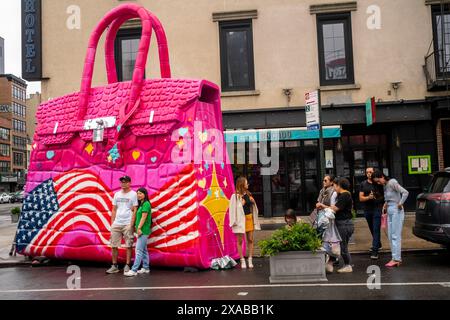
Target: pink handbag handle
[(163, 48), (141, 59)]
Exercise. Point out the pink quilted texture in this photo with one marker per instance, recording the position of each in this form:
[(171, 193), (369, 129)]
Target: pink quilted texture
[(77, 177), (166, 98)]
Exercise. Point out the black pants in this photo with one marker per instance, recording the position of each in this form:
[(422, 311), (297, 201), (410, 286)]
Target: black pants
[(373, 217), (346, 229)]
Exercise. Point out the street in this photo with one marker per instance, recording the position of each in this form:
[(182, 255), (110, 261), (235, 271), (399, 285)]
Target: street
[(5, 208), (424, 275)]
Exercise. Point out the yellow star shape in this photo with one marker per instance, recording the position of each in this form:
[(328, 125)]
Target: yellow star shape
[(180, 143), (217, 204), (89, 148)]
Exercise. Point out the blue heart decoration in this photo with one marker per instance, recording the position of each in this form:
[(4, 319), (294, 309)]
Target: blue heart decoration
[(153, 159), (222, 165), (183, 131), (50, 154)]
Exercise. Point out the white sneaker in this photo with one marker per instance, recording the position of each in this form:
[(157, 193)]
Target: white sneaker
[(346, 269), (130, 273), (142, 271), (243, 265), (250, 263)]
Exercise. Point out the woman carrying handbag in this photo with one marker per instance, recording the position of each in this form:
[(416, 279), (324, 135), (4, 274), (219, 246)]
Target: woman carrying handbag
[(244, 219)]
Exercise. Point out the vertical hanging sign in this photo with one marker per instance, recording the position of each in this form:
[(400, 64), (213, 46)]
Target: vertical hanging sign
[(370, 111), (312, 110), (31, 40)]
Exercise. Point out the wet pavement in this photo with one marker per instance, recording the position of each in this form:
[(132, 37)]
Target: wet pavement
[(424, 275)]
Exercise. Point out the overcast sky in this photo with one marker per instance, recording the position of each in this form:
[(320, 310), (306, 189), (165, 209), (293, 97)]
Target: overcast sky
[(10, 30)]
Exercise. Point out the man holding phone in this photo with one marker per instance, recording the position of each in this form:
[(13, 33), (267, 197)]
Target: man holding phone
[(371, 195)]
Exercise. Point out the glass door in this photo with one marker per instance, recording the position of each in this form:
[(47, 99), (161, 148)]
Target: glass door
[(310, 175), (294, 173), (279, 183), (254, 177), (362, 152)]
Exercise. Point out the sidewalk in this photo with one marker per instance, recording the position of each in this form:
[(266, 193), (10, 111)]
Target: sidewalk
[(362, 238), (7, 232)]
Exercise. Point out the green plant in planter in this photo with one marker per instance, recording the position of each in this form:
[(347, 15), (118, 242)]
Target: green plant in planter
[(15, 211), (300, 237)]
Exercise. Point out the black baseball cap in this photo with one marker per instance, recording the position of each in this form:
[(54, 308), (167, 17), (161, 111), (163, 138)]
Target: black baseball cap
[(125, 179)]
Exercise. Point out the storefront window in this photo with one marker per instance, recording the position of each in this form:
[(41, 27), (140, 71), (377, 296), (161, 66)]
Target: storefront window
[(373, 139), (356, 140), (296, 183)]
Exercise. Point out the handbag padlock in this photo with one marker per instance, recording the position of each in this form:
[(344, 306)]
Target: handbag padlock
[(99, 132)]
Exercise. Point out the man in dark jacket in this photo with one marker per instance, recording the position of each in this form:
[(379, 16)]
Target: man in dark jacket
[(371, 195)]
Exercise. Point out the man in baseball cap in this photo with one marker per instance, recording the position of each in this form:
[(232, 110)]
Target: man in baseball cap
[(122, 222), (125, 179)]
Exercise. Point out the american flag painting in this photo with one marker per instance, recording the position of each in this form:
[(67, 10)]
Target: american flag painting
[(71, 210), (174, 213), (70, 216)]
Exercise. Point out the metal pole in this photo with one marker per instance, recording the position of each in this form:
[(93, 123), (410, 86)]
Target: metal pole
[(444, 66), (321, 147)]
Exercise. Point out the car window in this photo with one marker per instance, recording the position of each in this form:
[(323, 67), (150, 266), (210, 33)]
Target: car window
[(447, 187), (441, 184)]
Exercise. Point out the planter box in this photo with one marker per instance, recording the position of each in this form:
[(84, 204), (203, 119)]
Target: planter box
[(297, 266), (14, 218)]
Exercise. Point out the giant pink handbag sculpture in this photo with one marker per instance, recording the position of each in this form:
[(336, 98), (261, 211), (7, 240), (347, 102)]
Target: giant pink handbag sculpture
[(163, 133)]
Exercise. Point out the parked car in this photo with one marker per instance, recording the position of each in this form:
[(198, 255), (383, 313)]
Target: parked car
[(5, 198), (20, 195), (17, 196), (433, 210)]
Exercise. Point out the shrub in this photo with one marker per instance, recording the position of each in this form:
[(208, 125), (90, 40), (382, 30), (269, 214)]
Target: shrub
[(300, 237), (15, 211)]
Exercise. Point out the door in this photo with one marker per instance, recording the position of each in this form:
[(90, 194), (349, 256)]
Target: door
[(363, 152), (294, 173), (279, 183), (296, 184), (310, 175)]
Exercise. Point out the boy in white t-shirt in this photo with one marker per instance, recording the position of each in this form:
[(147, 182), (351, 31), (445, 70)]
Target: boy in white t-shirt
[(122, 222)]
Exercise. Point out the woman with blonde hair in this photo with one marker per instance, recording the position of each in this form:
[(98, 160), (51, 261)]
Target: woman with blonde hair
[(244, 218)]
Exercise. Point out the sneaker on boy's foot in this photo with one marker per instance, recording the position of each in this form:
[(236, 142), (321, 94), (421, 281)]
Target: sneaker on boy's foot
[(113, 269), (126, 268)]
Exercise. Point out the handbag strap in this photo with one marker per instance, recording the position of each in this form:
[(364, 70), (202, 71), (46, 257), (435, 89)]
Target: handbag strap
[(163, 48), (141, 59)]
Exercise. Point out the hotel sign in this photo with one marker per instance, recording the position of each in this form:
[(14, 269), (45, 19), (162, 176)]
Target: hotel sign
[(31, 40)]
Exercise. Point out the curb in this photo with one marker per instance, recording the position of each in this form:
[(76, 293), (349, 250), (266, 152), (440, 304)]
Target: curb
[(13, 264)]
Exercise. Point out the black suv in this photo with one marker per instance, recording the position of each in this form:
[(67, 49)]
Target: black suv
[(433, 210)]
